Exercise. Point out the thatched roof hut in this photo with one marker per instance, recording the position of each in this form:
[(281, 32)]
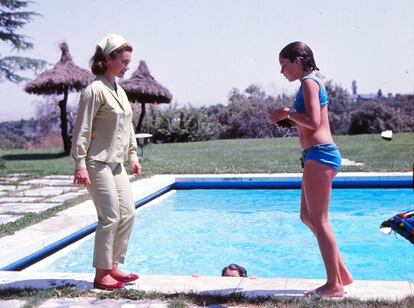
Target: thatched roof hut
[(65, 76), (143, 88)]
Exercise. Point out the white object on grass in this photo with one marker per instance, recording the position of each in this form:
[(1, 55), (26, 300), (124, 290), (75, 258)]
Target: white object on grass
[(387, 135)]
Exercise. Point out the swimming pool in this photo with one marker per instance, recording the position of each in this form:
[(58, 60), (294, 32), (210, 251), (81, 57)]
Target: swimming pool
[(201, 231)]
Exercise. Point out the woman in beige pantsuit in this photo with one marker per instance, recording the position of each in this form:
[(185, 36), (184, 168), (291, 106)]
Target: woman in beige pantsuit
[(103, 138)]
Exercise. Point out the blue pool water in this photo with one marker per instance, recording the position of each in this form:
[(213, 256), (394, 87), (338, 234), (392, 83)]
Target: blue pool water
[(201, 231)]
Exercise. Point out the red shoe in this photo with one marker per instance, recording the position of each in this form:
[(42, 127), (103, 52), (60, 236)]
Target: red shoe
[(108, 287), (126, 278)]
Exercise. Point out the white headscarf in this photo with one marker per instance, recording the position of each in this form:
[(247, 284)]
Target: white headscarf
[(111, 42)]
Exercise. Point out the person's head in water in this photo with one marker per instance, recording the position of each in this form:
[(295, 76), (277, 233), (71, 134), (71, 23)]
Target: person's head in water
[(234, 270)]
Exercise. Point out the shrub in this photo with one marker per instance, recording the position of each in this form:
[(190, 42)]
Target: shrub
[(179, 124), (246, 115), (374, 117), (339, 108), (11, 141)]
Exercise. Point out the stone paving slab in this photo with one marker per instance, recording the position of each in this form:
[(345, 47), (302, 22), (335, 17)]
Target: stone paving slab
[(13, 178), (13, 188), (67, 197), (14, 303), (45, 191), (19, 175), (9, 180), (21, 207), (106, 303), (49, 182), (11, 199), (59, 177), (8, 218)]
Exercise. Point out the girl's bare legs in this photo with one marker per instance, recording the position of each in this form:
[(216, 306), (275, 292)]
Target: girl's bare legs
[(317, 183), (346, 276)]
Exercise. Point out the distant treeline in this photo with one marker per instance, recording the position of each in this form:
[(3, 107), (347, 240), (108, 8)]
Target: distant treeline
[(244, 116), (16, 134)]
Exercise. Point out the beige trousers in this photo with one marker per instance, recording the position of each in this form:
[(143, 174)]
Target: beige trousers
[(112, 195)]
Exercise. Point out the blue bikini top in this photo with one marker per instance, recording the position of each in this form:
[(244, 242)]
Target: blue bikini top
[(299, 103)]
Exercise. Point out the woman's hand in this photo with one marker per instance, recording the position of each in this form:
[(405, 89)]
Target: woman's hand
[(277, 115), (81, 177), (136, 168)]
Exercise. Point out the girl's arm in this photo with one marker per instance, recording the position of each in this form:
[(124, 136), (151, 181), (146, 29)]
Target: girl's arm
[(311, 119)]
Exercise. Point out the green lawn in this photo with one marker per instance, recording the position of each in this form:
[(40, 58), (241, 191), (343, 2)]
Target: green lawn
[(230, 156)]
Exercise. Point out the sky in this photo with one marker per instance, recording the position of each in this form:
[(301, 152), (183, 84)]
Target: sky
[(202, 49)]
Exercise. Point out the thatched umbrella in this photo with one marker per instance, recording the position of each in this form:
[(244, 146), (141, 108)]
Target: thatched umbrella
[(65, 76), (143, 88)]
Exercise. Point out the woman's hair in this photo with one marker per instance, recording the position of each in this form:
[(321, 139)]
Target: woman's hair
[(303, 52), (235, 267), (98, 60)]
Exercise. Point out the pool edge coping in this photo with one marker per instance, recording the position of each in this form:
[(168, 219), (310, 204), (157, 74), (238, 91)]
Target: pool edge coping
[(248, 287)]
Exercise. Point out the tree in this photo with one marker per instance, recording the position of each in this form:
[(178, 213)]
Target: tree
[(354, 87), (12, 18), (174, 124), (374, 117), (47, 114), (339, 107), (246, 115), (379, 93)]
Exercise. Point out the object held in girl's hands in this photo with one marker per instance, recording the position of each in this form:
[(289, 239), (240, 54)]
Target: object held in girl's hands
[(286, 123)]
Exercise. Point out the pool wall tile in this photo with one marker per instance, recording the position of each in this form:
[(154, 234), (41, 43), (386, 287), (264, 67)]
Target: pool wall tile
[(292, 180)]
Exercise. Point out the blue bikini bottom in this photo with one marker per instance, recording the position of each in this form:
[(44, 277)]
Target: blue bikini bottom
[(326, 153)]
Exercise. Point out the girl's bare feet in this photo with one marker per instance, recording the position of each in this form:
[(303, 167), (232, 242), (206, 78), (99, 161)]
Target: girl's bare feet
[(347, 280), (346, 277), (327, 291)]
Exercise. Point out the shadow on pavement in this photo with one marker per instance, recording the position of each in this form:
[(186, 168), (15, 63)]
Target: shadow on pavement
[(32, 156), (46, 284)]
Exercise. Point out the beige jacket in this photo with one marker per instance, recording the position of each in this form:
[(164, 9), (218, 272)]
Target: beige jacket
[(103, 129)]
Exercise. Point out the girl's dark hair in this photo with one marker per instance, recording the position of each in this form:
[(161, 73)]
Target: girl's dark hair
[(303, 52), (98, 60)]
